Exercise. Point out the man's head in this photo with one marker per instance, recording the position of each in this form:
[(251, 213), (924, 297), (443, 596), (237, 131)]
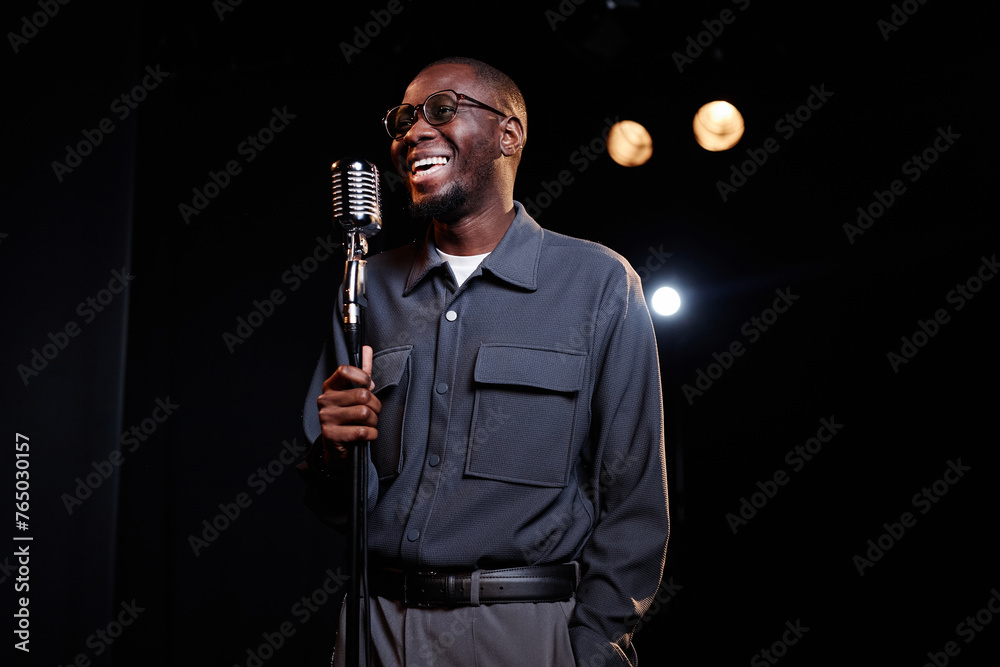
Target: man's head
[(467, 164)]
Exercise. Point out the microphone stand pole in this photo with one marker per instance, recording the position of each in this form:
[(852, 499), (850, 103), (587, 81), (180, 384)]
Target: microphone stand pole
[(358, 634)]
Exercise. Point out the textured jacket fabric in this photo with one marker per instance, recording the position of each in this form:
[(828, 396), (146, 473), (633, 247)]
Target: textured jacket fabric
[(521, 422)]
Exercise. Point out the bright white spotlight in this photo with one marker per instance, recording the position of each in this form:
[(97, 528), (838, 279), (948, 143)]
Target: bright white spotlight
[(666, 301)]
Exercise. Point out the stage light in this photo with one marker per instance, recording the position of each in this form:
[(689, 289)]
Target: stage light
[(629, 143), (666, 301), (718, 126)]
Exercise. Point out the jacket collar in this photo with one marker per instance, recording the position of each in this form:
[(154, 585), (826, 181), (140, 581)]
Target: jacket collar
[(514, 260)]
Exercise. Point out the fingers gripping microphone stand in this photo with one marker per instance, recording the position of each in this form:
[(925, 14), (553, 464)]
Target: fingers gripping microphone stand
[(357, 209)]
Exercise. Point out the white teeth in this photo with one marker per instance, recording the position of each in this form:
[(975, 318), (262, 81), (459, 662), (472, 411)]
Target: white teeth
[(429, 161)]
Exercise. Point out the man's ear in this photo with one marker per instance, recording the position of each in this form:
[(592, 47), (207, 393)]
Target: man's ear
[(512, 138)]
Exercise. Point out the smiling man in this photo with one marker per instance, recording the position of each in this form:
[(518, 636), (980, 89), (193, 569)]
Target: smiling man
[(510, 390), (460, 175)]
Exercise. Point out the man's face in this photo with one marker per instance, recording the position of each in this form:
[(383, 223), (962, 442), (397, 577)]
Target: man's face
[(468, 145)]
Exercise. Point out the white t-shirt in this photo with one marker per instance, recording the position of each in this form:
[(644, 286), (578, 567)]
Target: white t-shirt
[(462, 265)]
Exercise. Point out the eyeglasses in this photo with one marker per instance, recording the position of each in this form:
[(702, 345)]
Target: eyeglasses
[(439, 108)]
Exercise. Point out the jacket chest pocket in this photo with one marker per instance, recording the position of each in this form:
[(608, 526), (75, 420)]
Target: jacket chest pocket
[(524, 414), (391, 375)]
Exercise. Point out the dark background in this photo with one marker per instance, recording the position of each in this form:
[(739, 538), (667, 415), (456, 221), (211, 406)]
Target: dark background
[(238, 406)]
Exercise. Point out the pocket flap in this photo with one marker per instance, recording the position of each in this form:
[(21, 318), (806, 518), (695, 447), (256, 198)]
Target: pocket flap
[(555, 370), (388, 366)]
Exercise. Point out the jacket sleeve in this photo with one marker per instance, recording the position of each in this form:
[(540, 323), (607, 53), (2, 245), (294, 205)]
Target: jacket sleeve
[(622, 562)]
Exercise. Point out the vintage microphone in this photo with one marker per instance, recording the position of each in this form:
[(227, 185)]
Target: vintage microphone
[(357, 210)]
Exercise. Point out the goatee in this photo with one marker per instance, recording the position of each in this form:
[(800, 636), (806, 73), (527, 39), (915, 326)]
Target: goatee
[(440, 207)]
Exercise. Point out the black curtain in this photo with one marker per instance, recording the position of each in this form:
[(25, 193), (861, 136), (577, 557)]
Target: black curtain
[(66, 259)]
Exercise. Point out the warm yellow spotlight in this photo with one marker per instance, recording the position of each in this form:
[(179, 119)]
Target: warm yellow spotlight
[(629, 144), (718, 126)]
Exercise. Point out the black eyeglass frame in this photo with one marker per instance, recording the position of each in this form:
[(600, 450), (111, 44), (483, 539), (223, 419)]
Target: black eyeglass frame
[(420, 107)]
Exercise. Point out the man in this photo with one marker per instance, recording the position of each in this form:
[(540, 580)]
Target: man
[(510, 390)]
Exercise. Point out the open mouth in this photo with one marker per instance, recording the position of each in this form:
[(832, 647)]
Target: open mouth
[(427, 166)]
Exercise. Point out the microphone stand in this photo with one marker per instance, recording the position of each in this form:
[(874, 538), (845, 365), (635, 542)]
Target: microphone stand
[(357, 210), (358, 634)]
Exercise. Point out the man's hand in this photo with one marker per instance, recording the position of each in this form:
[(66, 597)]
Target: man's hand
[(348, 410)]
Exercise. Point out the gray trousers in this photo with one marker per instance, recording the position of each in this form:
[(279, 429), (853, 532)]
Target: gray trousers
[(517, 633)]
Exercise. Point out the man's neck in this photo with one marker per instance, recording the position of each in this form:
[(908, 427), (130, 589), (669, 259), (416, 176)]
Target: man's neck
[(474, 234)]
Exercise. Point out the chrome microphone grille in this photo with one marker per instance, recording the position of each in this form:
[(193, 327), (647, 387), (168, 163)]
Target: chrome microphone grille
[(357, 202)]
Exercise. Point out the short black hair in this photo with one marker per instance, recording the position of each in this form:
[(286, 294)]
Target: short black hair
[(499, 82)]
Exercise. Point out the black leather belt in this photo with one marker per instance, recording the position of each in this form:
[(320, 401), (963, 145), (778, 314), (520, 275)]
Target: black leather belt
[(534, 583)]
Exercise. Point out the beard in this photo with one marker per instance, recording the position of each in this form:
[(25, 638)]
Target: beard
[(460, 195), (441, 207)]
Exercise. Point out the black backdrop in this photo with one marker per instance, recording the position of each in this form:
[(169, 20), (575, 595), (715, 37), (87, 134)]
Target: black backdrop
[(153, 410)]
